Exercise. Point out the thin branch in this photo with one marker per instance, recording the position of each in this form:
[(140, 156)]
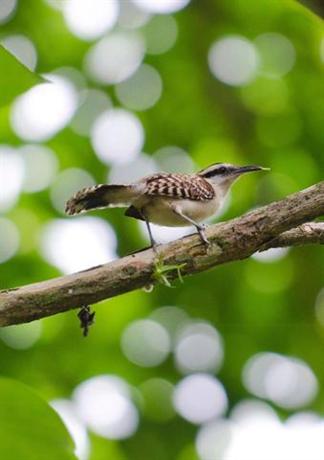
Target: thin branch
[(309, 233), (269, 226)]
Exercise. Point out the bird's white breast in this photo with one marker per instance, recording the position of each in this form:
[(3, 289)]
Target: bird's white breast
[(161, 211)]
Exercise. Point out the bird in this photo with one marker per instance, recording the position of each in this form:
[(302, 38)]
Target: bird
[(167, 199)]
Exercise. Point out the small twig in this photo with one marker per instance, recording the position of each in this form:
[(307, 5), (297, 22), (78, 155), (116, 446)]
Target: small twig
[(162, 271)]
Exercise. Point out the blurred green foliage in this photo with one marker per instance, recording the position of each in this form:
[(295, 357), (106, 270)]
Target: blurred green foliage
[(255, 305)]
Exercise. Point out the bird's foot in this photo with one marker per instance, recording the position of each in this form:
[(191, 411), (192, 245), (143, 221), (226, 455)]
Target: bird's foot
[(202, 234), (155, 249)]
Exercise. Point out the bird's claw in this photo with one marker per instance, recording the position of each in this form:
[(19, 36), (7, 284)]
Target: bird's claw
[(203, 237)]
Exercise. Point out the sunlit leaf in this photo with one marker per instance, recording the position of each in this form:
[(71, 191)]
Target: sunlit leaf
[(15, 78), (29, 427)]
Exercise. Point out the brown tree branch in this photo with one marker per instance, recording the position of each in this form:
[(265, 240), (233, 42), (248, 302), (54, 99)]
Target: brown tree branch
[(270, 226), (309, 233)]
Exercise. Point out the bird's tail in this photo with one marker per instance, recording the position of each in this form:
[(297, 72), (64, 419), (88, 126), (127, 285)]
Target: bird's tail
[(101, 196)]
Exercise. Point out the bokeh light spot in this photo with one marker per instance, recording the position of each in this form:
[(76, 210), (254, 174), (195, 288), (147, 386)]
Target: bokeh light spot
[(214, 439), (161, 6), (73, 76), (89, 19), (233, 60), (171, 318), (117, 136), (40, 167), (174, 159), (142, 90), (249, 409), (143, 165), (7, 9), (199, 398), (255, 432), (115, 58), (145, 343), (319, 307), (66, 184), (11, 177), (160, 34), (199, 348), (104, 404), (270, 255), (130, 16), (280, 272), (78, 244), (286, 381), (10, 239), (44, 110), (164, 234), (22, 336), (277, 54), (67, 412), (92, 103)]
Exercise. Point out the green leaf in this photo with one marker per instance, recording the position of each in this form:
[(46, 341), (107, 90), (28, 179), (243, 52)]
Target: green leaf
[(15, 78), (306, 11), (30, 428)]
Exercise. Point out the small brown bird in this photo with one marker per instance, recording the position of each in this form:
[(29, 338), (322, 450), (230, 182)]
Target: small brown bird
[(173, 200)]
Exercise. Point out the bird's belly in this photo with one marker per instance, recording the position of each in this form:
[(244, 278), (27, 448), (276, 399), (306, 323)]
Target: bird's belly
[(160, 211)]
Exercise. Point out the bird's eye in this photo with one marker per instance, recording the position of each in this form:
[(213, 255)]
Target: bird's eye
[(222, 170)]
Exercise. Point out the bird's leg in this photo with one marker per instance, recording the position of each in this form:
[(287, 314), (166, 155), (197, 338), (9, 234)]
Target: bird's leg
[(152, 240), (200, 227)]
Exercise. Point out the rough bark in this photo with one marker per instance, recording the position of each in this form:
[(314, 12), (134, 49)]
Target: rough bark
[(277, 224), (309, 233)]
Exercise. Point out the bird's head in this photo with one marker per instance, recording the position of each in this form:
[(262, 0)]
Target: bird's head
[(224, 174)]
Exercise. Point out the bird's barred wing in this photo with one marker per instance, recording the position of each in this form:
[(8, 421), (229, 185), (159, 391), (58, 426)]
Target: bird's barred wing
[(102, 196), (180, 186)]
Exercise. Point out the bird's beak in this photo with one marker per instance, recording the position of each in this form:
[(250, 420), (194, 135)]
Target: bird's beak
[(250, 168)]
